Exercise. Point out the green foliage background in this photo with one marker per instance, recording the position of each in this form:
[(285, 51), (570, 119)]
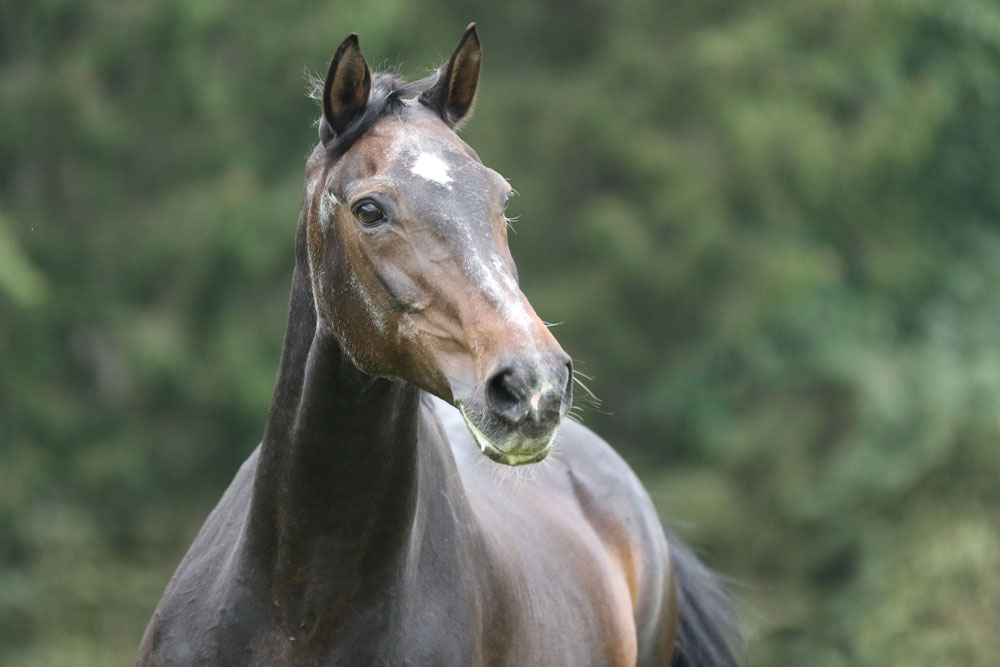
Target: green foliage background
[(771, 229)]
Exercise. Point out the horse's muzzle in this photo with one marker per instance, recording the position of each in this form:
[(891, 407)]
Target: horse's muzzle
[(524, 400)]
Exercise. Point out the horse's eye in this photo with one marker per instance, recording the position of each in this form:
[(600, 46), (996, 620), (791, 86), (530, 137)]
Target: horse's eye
[(368, 213)]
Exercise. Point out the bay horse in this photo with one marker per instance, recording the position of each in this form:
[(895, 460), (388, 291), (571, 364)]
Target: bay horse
[(367, 528)]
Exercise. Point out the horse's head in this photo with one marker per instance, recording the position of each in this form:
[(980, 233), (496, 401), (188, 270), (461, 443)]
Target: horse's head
[(407, 247)]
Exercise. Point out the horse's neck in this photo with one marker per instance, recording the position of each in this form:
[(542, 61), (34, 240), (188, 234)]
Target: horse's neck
[(335, 491)]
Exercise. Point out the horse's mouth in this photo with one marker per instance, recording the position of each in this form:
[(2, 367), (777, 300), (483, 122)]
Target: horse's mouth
[(523, 453)]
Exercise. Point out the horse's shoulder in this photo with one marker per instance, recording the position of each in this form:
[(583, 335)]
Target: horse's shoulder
[(596, 470), (622, 514)]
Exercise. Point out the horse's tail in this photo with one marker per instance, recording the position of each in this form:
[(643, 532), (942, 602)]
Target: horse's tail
[(708, 633)]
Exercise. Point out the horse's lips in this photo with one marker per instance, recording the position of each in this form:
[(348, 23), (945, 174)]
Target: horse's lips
[(496, 454)]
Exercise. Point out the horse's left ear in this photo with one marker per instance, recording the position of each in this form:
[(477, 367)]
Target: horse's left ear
[(455, 89)]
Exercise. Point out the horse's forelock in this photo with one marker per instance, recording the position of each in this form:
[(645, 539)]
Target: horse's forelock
[(389, 95)]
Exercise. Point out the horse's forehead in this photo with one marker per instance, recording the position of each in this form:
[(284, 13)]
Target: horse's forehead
[(420, 153), (398, 136)]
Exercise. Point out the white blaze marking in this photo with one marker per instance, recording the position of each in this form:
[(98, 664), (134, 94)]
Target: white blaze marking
[(501, 286), (431, 167)]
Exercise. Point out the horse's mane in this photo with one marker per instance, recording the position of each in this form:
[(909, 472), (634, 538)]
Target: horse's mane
[(390, 94)]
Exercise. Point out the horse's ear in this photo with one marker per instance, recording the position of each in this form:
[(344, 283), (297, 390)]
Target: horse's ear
[(455, 89), (345, 93)]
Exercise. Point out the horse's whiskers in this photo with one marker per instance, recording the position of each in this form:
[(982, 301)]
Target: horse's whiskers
[(589, 398)]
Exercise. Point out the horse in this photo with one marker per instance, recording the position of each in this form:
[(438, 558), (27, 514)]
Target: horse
[(370, 526)]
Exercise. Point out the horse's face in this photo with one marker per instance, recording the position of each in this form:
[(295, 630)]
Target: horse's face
[(411, 272)]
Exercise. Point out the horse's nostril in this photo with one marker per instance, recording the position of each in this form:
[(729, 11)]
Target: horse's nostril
[(529, 398), (502, 397)]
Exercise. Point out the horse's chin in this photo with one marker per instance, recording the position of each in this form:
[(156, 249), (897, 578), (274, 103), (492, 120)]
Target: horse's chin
[(516, 450)]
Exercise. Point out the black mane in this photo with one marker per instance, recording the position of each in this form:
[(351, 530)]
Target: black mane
[(389, 95)]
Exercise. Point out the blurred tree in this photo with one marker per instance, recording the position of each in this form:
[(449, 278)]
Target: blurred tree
[(770, 229)]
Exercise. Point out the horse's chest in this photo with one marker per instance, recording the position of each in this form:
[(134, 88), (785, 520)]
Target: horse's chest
[(491, 618), (464, 625), (455, 618), (573, 632)]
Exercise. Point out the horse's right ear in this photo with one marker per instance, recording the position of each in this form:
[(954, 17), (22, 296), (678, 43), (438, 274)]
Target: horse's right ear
[(345, 93), (455, 90)]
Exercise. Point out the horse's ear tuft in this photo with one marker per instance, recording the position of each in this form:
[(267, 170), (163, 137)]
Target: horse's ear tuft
[(348, 85), (455, 90)]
